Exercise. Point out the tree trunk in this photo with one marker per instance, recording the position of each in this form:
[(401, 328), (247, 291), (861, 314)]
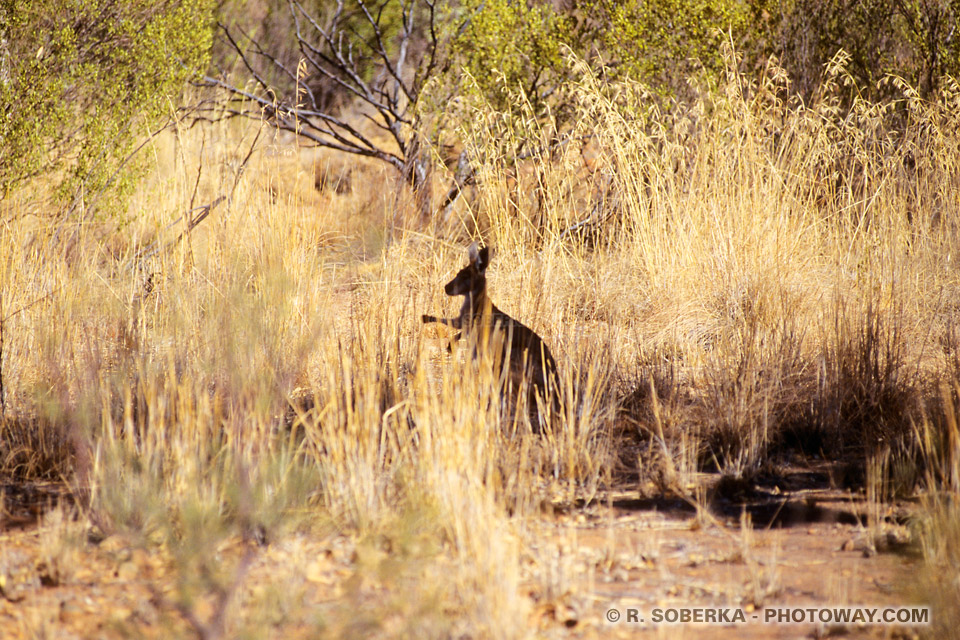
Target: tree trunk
[(416, 172)]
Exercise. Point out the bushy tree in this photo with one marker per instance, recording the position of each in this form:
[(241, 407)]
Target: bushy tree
[(510, 46), (78, 77), (917, 40), (664, 42)]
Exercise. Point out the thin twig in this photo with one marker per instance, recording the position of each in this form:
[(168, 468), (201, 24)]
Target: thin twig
[(32, 303), (204, 211)]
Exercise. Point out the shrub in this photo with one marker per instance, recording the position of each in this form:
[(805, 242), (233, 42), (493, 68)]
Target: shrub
[(513, 46), (80, 80), (907, 38)]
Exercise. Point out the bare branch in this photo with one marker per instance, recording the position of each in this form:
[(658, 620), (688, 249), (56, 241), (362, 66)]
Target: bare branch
[(382, 72), (381, 51)]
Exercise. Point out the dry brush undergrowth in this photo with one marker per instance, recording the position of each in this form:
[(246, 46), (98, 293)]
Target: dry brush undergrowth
[(725, 284)]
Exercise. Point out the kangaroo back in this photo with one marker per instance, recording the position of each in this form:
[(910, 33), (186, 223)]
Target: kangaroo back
[(524, 351)]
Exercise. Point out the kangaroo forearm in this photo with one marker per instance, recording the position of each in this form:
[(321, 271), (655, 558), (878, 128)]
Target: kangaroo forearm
[(450, 322)]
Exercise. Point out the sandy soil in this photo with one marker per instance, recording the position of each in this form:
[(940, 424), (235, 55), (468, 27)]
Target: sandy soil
[(807, 546)]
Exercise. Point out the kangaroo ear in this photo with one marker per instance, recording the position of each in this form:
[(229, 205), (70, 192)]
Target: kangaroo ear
[(483, 259), (472, 254)]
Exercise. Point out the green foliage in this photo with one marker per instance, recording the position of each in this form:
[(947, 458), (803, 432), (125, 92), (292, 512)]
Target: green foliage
[(913, 39), (663, 42), (80, 78), (509, 46), (932, 30)]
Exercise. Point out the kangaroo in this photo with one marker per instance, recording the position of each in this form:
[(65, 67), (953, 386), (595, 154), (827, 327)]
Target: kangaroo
[(528, 356)]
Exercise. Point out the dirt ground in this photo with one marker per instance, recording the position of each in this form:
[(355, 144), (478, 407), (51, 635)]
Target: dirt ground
[(625, 556)]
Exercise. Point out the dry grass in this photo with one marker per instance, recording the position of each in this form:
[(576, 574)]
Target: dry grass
[(757, 279)]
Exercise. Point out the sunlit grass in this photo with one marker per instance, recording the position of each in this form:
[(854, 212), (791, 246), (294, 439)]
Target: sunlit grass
[(720, 283)]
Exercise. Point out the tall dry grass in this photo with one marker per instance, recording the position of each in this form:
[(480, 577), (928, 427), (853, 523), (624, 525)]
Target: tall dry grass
[(790, 261), (725, 284)]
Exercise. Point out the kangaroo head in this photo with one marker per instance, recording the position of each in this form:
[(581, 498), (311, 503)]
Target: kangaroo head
[(472, 279)]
